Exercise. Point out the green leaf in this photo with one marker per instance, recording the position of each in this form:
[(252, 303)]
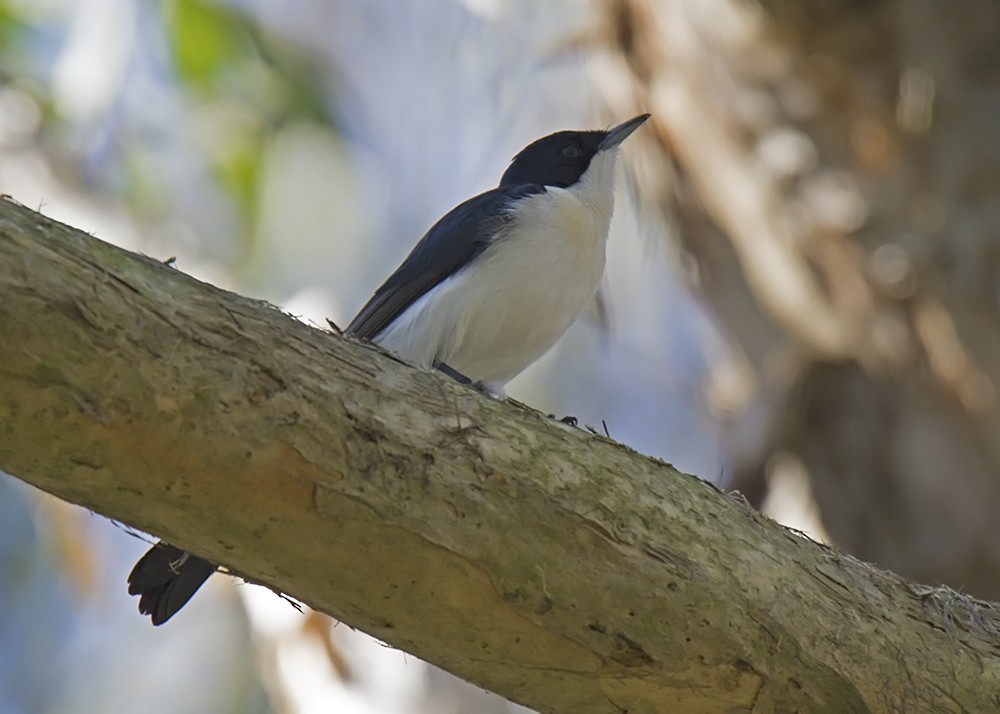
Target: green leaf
[(205, 40)]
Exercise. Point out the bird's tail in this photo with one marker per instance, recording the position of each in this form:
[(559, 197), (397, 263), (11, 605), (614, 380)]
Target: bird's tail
[(165, 578)]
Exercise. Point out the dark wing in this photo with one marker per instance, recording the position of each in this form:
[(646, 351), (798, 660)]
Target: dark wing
[(165, 578), (450, 244)]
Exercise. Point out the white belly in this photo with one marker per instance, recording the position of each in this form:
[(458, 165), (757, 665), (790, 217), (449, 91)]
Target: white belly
[(491, 320)]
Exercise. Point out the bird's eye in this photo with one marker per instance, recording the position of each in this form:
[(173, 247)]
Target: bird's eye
[(571, 152)]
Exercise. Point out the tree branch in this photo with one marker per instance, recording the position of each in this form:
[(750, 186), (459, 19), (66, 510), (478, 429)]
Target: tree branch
[(557, 568)]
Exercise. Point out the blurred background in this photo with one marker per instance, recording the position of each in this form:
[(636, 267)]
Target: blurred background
[(802, 299)]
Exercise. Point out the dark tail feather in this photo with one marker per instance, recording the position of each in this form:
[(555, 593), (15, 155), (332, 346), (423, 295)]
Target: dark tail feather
[(165, 578)]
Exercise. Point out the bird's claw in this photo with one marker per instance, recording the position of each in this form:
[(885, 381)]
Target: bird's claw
[(568, 420)]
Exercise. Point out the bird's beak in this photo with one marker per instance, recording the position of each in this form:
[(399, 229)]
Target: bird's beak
[(618, 134)]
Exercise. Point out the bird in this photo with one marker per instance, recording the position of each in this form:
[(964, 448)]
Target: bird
[(483, 294)]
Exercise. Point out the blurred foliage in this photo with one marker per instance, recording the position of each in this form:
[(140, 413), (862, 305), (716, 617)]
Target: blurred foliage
[(216, 87), (9, 27), (207, 41), (250, 82), (214, 53)]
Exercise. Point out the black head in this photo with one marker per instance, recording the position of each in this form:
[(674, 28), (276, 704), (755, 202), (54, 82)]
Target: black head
[(560, 159)]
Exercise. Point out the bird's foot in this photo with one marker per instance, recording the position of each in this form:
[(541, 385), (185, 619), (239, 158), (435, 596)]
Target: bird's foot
[(568, 420), (490, 390), (494, 391), (453, 373)]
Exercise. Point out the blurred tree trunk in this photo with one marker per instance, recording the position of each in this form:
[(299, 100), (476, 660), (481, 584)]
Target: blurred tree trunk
[(834, 172)]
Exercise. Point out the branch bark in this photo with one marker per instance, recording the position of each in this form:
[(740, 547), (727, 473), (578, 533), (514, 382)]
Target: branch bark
[(557, 568)]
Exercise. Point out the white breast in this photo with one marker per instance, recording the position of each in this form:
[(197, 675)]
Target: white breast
[(496, 316)]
